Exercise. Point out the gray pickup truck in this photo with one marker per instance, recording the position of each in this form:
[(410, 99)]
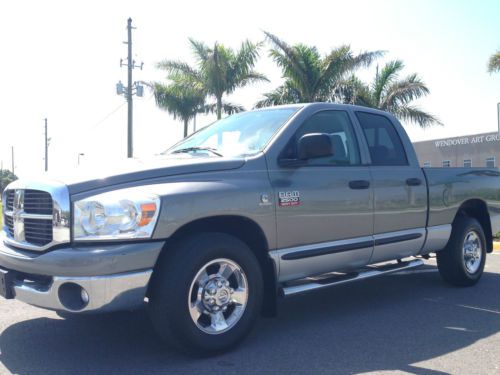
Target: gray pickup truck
[(261, 204)]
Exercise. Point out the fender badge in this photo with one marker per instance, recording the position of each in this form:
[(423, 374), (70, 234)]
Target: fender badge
[(289, 198), (264, 200)]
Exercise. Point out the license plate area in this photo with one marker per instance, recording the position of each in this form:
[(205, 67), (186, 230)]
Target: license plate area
[(6, 283)]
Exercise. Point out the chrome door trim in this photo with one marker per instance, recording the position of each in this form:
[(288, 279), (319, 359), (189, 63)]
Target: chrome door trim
[(314, 259), (398, 244), (307, 251)]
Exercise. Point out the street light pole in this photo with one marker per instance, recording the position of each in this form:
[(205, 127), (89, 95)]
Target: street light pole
[(498, 117), (80, 154)]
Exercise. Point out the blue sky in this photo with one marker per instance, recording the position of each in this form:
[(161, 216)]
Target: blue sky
[(60, 60)]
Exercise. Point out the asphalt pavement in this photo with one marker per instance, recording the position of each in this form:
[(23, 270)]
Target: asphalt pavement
[(409, 322)]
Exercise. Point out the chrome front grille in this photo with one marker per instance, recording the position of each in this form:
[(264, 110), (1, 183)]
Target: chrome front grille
[(38, 231), (9, 199), (38, 202), (36, 216)]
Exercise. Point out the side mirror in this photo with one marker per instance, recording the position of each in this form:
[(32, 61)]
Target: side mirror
[(314, 145)]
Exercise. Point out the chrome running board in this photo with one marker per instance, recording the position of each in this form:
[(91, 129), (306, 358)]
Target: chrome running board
[(325, 281)]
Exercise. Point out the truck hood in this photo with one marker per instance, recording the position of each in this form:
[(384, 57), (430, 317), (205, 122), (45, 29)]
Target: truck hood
[(84, 179)]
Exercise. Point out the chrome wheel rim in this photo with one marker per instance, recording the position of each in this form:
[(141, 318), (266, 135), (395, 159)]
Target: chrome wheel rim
[(218, 296), (472, 252)]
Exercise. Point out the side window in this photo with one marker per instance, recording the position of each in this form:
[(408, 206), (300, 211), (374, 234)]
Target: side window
[(336, 124), (383, 141)]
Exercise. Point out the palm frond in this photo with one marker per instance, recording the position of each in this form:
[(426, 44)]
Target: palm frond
[(403, 91), (353, 91), (201, 50), (178, 100), (228, 108), (365, 59), (251, 77), (494, 62), (385, 77), (284, 94), (288, 58), (178, 67), (415, 115)]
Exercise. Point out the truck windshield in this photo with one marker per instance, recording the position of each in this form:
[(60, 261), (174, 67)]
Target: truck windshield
[(241, 134)]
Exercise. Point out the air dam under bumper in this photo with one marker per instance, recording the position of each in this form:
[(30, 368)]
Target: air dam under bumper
[(82, 279), (81, 294)]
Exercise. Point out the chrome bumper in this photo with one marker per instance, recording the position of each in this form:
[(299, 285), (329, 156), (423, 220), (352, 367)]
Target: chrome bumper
[(81, 278), (81, 294)]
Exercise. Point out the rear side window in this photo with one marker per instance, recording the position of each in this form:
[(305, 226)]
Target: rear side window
[(383, 141)]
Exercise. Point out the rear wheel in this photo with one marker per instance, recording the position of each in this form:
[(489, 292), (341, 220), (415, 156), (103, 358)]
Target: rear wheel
[(206, 293), (461, 263)]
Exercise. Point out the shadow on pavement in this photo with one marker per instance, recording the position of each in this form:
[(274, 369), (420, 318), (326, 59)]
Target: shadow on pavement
[(390, 323)]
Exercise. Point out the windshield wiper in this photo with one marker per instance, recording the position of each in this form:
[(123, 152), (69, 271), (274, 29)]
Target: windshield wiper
[(189, 149)]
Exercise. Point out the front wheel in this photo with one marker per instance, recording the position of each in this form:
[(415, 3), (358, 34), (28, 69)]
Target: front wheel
[(461, 263), (206, 293)]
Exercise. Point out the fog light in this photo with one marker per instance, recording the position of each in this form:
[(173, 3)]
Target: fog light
[(85, 296)]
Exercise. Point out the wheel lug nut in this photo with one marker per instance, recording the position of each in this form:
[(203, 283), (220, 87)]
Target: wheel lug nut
[(224, 308), (219, 284), (212, 302)]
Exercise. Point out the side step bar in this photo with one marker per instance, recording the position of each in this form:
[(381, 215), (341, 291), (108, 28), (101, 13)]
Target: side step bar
[(310, 284)]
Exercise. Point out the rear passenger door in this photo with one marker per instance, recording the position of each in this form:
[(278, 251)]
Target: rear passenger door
[(400, 193)]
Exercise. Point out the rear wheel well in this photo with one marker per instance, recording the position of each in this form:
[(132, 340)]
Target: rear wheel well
[(252, 235), (478, 209)]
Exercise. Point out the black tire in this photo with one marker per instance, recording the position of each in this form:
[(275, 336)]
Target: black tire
[(451, 260), (170, 292)]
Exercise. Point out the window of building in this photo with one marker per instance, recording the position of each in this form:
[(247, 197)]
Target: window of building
[(383, 141), (490, 162), (467, 163), (427, 164), (446, 164)]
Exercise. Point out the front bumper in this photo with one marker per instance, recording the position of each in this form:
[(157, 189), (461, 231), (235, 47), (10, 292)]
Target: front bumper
[(84, 294), (81, 279)]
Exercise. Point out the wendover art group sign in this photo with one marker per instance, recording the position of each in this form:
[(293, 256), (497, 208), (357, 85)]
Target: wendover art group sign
[(485, 138)]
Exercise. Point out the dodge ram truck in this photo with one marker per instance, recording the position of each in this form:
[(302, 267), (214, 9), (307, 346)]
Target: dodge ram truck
[(259, 205)]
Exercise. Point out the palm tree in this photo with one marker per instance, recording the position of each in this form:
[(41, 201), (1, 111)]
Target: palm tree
[(390, 93), (309, 77), (180, 99), (494, 62), (220, 70)]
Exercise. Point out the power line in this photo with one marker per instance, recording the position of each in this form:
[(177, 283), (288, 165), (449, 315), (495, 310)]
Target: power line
[(107, 116)]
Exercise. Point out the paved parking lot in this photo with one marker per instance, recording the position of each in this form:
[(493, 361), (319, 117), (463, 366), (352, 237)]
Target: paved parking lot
[(404, 323)]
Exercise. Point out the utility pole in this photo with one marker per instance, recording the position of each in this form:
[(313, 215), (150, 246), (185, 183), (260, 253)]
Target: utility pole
[(12, 150), (46, 149), (133, 88), (130, 151)]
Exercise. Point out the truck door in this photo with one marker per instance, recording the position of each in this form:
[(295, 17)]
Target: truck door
[(400, 193), (325, 206)]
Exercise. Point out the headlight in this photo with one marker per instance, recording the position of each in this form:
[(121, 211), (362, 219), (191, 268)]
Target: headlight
[(120, 214)]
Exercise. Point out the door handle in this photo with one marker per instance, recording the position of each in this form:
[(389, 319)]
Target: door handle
[(359, 184), (413, 182)]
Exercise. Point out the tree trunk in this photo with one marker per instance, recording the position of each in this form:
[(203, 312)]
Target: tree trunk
[(185, 128), (219, 107)]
